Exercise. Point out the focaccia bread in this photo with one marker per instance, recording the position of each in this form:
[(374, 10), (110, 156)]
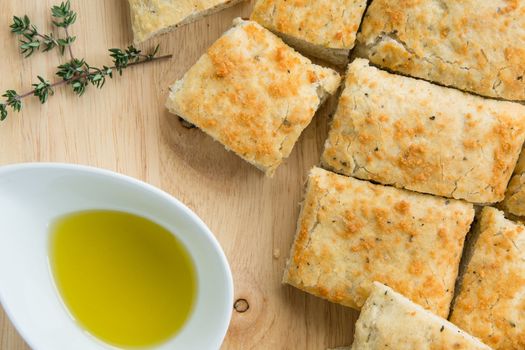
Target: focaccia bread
[(153, 17), (252, 93), (388, 320), (473, 45), (514, 202), (322, 28), (491, 299), (351, 233), (427, 138)]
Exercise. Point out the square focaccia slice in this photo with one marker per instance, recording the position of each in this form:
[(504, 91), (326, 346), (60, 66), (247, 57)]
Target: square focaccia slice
[(324, 28), (423, 137), (389, 320), (252, 93), (472, 45), (491, 301), (351, 233), (154, 17)]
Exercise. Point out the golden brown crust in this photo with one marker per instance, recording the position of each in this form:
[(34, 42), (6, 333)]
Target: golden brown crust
[(252, 93), (327, 24), (491, 302), (152, 17), (514, 202), (476, 46), (423, 137), (351, 233), (391, 321)]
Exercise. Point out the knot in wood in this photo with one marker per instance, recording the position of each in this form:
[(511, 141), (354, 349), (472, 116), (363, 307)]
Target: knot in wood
[(241, 305)]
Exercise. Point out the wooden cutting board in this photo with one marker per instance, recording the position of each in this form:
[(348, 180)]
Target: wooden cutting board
[(125, 127)]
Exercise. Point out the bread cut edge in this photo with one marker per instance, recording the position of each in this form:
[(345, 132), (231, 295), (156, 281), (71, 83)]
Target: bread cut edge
[(308, 196), (336, 56)]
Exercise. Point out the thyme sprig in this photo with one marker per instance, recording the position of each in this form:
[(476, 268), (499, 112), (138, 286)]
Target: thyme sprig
[(32, 39), (76, 73)]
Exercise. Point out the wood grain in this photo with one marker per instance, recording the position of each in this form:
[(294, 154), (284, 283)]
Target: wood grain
[(126, 128)]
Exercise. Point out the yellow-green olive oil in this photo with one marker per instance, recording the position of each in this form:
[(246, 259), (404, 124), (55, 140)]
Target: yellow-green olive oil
[(125, 279)]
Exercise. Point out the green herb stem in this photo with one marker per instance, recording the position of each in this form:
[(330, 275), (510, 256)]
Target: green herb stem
[(69, 46), (84, 75)]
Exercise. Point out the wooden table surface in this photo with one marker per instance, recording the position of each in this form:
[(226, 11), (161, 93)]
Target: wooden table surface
[(125, 127)]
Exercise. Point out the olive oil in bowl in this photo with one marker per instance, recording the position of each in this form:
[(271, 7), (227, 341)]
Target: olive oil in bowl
[(125, 279)]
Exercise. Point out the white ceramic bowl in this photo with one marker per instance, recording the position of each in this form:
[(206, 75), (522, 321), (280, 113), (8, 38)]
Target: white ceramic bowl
[(33, 195)]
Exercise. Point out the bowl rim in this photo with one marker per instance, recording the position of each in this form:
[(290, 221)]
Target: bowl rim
[(196, 220)]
